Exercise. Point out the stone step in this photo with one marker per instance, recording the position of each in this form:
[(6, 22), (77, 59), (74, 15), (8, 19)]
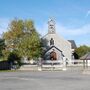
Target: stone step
[(43, 68), (28, 67)]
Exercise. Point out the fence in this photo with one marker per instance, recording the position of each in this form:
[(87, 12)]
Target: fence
[(4, 65), (65, 65), (51, 65)]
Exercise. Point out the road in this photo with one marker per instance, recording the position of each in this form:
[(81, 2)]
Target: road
[(44, 80)]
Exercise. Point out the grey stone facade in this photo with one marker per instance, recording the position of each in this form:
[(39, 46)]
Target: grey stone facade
[(61, 46)]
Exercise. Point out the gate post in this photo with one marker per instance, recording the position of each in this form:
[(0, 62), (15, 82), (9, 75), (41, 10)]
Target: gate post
[(64, 64)]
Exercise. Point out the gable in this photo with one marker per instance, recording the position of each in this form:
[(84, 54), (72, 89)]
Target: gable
[(53, 47), (58, 52)]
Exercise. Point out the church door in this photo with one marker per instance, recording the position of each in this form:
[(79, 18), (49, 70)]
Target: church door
[(53, 56)]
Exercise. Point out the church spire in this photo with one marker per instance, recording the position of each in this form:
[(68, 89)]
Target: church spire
[(51, 26)]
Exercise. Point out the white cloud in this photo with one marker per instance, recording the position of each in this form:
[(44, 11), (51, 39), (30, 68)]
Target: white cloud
[(88, 13), (73, 32)]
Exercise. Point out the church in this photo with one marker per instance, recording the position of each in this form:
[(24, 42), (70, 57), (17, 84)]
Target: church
[(56, 47)]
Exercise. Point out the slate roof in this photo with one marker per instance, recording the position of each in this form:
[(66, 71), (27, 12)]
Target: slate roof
[(86, 56), (51, 48), (73, 44)]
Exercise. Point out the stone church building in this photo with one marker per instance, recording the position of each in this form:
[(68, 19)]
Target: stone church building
[(56, 47)]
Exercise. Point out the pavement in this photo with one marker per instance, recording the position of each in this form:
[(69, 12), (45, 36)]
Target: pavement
[(44, 80)]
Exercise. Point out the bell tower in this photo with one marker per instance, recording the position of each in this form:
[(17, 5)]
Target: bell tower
[(51, 26)]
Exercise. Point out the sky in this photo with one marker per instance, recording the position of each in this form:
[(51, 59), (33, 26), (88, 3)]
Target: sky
[(72, 17)]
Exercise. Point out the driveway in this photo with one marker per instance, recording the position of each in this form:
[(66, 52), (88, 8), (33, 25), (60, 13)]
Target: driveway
[(44, 80)]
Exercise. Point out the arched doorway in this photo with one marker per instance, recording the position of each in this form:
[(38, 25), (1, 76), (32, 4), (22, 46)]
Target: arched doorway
[(53, 55)]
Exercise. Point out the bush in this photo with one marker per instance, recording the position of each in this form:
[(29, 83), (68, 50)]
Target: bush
[(14, 59)]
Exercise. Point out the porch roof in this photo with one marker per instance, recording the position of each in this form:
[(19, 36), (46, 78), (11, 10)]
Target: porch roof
[(86, 56)]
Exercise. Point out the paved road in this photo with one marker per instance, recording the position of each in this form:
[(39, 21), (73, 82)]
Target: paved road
[(45, 80)]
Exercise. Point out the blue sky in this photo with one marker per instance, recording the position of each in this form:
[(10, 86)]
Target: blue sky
[(72, 16)]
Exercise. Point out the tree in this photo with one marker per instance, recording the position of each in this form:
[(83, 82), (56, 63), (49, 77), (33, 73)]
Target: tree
[(30, 45), (14, 59), (82, 50), (23, 37), (15, 30), (2, 47)]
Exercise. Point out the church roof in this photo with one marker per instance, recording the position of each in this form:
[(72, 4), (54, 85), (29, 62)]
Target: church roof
[(73, 44), (53, 47)]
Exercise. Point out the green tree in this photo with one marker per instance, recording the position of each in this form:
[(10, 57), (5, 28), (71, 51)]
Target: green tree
[(15, 30), (30, 43), (23, 37), (82, 50)]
